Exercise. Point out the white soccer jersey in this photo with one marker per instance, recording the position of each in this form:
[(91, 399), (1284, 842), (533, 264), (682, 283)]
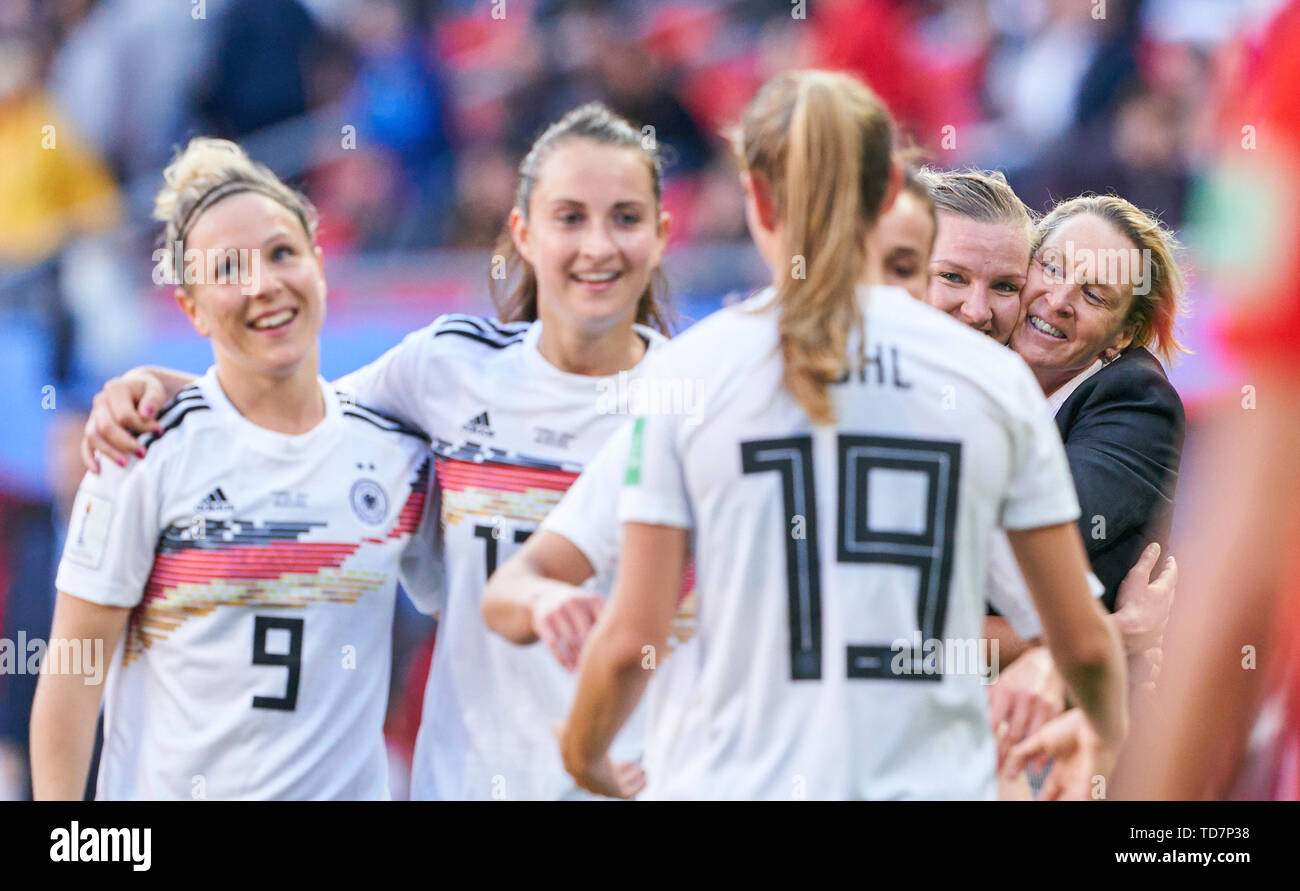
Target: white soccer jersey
[(511, 432), (587, 516), (835, 564), (261, 569)]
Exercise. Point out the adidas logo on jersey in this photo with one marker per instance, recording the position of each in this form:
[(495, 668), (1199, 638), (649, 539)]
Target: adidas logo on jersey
[(213, 502), (479, 424)]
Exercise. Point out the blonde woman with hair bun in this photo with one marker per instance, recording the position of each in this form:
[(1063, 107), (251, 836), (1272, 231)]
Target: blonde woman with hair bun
[(253, 540), (516, 405)]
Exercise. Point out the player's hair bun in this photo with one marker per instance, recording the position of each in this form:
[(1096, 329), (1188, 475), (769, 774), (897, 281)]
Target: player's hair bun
[(205, 171)]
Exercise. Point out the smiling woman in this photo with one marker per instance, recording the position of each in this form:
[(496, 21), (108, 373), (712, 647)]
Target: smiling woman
[(179, 560), (260, 292), (513, 405), (1103, 281), (597, 248), (977, 266), (1103, 291)]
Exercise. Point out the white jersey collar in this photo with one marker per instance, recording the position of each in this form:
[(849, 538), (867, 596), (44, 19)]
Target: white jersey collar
[(270, 440), (654, 340)]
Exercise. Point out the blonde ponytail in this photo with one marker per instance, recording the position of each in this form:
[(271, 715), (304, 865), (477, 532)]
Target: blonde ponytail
[(823, 142)]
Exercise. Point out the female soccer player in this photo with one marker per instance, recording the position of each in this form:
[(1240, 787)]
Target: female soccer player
[(903, 238), (531, 596), (853, 451), (981, 252), (515, 408), (241, 572)]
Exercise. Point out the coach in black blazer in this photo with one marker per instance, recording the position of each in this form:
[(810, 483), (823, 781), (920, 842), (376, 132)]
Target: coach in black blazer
[(1102, 291), (1123, 429)]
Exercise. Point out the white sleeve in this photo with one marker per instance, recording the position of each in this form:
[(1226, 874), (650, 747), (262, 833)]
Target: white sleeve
[(1041, 493), (1008, 593), (587, 515), (422, 563), (395, 382), (654, 482), (1041, 490), (113, 532)]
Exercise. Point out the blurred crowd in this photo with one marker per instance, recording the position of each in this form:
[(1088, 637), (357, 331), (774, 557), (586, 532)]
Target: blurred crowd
[(404, 121), (405, 118)]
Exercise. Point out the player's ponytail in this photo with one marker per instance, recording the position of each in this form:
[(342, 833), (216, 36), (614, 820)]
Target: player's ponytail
[(206, 171), (512, 282), (822, 141)]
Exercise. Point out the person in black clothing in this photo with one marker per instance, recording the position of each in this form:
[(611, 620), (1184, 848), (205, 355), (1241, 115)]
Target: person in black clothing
[(1100, 300), (1103, 287), (1123, 429)]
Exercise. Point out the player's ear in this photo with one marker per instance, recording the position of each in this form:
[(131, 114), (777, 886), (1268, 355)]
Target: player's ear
[(760, 190), (320, 270), (518, 224), (892, 188), (1119, 344), (661, 234), (191, 309)]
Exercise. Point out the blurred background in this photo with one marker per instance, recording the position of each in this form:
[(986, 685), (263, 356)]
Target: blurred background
[(404, 121)]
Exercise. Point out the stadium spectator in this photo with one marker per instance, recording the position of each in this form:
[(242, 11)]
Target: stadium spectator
[(52, 188)]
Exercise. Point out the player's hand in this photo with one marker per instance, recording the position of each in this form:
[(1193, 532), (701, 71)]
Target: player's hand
[(563, 619), (1078, 755), (125, 408), (1143, 670), (1027, 694), (1142, 607), (613, 780)]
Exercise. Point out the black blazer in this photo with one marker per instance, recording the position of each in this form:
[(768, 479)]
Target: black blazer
[(1123, 430)]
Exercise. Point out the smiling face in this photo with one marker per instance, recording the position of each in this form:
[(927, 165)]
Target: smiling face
[(1075, 314), (900, 242), (273, 330), (593, 234), (977, 270)]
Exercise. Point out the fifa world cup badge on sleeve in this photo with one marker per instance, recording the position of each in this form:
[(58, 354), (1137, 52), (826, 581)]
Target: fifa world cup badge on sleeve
[(633, 477), (91, 515)]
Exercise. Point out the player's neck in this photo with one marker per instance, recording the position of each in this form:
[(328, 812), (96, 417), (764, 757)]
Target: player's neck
[(292, 404), (576, 352)]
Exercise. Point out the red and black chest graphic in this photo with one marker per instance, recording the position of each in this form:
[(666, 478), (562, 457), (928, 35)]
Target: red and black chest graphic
[(210, 562)]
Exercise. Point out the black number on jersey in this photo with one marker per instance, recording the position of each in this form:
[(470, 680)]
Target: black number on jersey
[(490, 544), (792, 459), (929, 551), (291, 660)]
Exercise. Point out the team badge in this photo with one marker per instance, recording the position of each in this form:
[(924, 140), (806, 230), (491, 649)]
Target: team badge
[(369, 502)]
